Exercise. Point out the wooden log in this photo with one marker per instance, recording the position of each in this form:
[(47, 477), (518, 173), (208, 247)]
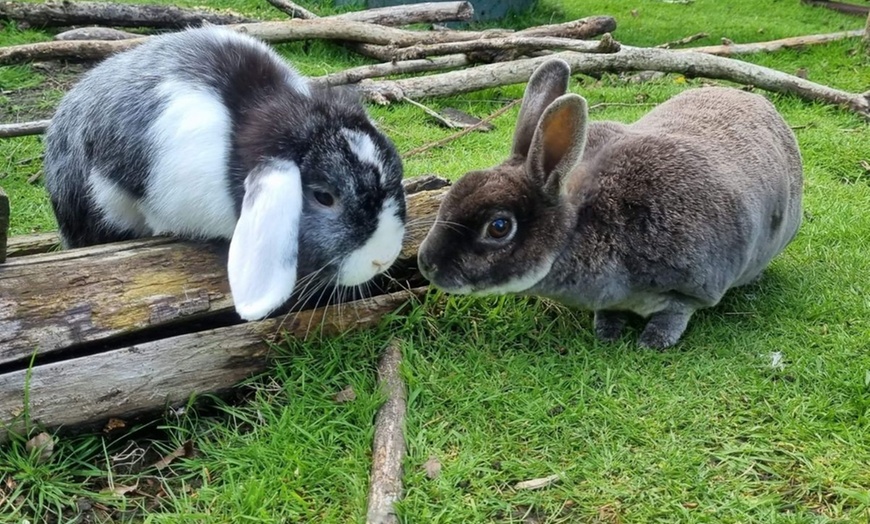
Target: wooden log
[(519, 43), (36, 127), (143, 378), (293, 9), (95, 33), (772, 45), (32, 244), (388, 447), (71, 300), (61, 14), (4, 224), (395, 15)]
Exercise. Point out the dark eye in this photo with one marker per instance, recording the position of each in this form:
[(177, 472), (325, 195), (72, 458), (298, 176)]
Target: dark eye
[(499, 228), (324, 199)]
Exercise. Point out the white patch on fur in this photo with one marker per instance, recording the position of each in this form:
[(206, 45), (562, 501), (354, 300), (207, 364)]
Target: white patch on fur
[(188, 193), (120, 209), (518, 285), (363, 147), (378, 253), (265, 244)]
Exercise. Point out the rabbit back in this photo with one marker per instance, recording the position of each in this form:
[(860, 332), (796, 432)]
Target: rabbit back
[(143, 143)]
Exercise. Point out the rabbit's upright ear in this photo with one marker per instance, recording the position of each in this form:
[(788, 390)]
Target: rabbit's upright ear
[(265, 244), (558, 142), (548, 82)]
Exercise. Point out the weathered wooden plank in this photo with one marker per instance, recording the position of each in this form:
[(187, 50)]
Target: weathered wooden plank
[(4, 223), (53, 301), (146, 377), (35, 243)]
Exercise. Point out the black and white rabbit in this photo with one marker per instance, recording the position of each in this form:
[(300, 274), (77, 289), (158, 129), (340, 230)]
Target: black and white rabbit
[(658, 218), (209, 134)]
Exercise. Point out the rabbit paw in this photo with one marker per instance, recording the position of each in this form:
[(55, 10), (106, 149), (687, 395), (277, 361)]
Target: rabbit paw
[(609, 325), (665, 328)]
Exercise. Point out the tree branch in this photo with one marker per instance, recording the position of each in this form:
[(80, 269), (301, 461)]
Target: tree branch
[(59, 14), (772, 45), (23, 128), (388, 448), (628, 59), (292, 9), (518, 43)]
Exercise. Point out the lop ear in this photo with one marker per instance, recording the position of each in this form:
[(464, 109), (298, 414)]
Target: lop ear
[(265, 244), (549, 81), (559, 140)]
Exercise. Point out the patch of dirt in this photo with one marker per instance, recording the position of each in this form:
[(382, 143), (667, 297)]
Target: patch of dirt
[(39, 102)]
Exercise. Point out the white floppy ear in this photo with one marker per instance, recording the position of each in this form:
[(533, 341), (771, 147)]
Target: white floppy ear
[(265, 244)]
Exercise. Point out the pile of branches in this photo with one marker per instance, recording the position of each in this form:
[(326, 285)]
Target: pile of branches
[(459, 60)]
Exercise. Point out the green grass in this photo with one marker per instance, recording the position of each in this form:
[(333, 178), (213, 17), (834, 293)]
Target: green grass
[(508, 389)]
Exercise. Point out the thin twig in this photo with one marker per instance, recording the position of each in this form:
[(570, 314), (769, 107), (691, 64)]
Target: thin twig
[(458, 134), (683, 41), (292, 9), (431, 112), (23, 128)]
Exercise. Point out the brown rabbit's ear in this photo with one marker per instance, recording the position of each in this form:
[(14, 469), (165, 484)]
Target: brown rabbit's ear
[(558, 141), (548, 82)]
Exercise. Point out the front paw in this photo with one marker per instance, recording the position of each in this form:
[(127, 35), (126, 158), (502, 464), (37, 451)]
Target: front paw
[(664, 329), (609, 325)]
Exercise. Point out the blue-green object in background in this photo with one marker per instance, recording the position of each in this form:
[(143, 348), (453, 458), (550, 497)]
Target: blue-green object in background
[(483, 9)]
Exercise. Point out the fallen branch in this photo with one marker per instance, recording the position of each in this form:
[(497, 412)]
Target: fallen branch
[(398, 15), (849, 9), (773, 45), (627, 59), (388, 449), (458, 134), (95, 33), (354, 75), (23, 129), (60, 14), (519, 43), (683, 41)]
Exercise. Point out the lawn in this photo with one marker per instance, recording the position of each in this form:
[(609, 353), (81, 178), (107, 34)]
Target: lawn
[(760, 414)]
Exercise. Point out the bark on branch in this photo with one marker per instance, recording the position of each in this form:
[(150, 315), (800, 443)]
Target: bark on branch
[(388, 448), (23, 129), (329, 28), (59, 14), (627, 59), (398, 15), (518, 43)]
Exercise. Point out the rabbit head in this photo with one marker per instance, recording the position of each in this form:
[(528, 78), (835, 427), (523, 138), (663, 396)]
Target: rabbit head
[(499, 230)]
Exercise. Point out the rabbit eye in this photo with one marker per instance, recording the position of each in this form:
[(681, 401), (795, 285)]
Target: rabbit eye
[(324, 199), (499, 228)]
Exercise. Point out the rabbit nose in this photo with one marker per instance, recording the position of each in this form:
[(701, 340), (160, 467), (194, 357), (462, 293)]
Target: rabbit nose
[(426, 267), (380, 266)]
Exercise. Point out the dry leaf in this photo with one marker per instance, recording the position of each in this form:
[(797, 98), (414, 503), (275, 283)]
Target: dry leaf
[(345, 395), (113, 424), (432, 467), (537, 483), (120, 490), (690, 505), (44, 443), (185, 450)]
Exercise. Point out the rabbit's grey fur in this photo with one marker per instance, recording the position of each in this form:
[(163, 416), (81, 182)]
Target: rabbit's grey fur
[(659, 218)]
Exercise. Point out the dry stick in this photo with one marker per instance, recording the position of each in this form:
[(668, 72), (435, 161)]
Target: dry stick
[(683, 41), (458, 134), (866, 39), (773, 45), (355, 74), (427, 12), (292, 9), (522, 43), (95, 33), (23, 128), (628, 59), (388, 449), (59, 14)]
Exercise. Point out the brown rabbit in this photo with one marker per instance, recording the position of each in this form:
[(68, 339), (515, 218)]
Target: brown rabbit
[(658, 218)]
